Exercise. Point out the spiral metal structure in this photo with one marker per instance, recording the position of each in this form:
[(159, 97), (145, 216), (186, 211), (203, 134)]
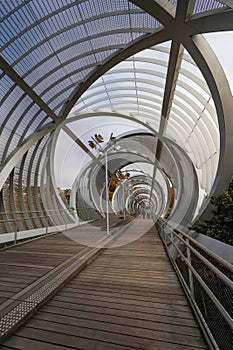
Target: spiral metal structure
[(144, 63)]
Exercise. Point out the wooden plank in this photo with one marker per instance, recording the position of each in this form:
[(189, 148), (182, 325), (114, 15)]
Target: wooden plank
[(27, 253), (12, 288), (10, 284), (32, 264), (125, 336), (133, 287), (97, 313), (29, 344), (29, 338), (124, 304), (126, 299), (143, 293), (115, 323), (6, 294), (88, 304)]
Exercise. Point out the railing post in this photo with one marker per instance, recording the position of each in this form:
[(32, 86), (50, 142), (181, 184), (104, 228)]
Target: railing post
[(172, 236), (47, 223), (65, 218), (123, 200), (107, 194), (76, 213), (16, 229), (191, 285)]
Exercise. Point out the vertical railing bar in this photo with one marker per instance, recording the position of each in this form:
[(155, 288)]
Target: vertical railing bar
[(16, 230), (191, 285)]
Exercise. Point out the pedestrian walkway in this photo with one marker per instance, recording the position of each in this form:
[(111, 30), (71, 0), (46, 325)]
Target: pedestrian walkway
[(128, 297)]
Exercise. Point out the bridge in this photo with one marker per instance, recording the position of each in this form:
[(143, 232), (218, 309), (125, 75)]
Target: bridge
[(120, 292), (115, 132)]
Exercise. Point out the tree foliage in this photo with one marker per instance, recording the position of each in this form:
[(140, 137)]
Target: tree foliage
[(65, 195), (221, 224)]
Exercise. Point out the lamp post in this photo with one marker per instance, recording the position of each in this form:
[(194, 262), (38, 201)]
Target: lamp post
[(95, 143), (107, 193)]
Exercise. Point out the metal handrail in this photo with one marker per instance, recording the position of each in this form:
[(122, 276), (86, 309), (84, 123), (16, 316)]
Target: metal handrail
[(30, 215), (36, 211), (177, 241), (218, 258), (224, 313), (225, 279), (15, 222)]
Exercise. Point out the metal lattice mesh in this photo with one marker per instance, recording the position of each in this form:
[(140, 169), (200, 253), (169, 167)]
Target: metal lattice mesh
[(201, 6), (217, 324), (183, 269), (222, 291), (215, 321), (214, 261)]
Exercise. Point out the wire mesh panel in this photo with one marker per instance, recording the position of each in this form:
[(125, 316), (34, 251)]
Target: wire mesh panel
[(214, 319)]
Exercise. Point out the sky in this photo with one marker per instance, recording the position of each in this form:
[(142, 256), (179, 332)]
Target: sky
[(222, 45)]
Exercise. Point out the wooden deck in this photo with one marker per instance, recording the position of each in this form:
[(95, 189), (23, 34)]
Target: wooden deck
[(22, 265), (128, 298)]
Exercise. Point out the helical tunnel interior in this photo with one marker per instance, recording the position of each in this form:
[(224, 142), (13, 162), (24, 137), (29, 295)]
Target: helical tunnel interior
[(141, 74)]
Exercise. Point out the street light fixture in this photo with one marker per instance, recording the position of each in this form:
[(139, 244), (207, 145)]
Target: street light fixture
[(95, 144)]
